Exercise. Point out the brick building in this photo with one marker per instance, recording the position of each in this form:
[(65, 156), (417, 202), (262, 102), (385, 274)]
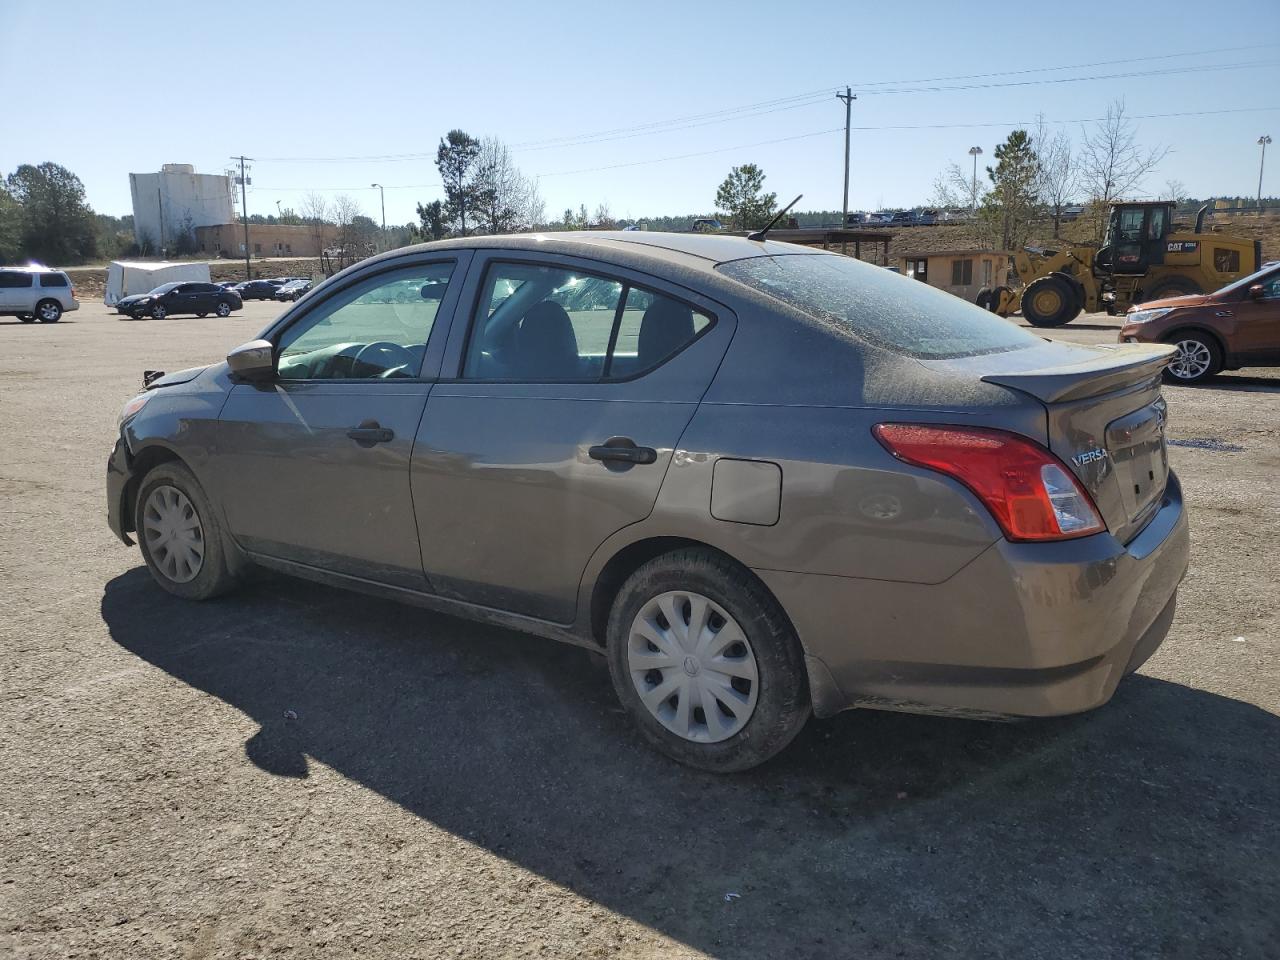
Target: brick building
[(265, 240)]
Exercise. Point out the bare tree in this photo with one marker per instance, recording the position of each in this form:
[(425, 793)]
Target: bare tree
[(315, 210), (604, 217), (500, 188), (1059, 179), (346, 210), (1111, 162), (535, 208), (1175, 190), (955, 187)]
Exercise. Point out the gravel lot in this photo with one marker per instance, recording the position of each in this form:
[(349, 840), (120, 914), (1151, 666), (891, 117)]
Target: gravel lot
[(299, 772)]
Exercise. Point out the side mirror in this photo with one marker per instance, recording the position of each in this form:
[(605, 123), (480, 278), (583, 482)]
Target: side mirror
[(254, 360), (1256, 291)]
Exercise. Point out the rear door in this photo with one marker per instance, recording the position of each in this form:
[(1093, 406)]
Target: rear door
[(572, 385), (313, 467), (15, 291)]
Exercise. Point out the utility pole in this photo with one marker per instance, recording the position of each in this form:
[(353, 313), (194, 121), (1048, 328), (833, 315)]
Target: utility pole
[(848, 97), (1262, 141), (244, 213), (974, 152), (383, 195)]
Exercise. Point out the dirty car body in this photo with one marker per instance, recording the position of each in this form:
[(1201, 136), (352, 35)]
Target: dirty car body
[(933, 510)]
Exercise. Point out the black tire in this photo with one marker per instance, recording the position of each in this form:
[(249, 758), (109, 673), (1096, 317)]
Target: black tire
[(1199, 357), (1049, 302), (223, 309), (158, 312), (996, 296), (782, 700), (1172, 287), (49, 311), (983, 299), (214, 577)]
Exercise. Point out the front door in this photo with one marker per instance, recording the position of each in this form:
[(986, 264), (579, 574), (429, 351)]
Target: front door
[(1257, 323), (574, 388), (313, 467)]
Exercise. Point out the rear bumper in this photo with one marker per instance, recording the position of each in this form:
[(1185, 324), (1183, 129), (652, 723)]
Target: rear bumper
[(1026, 629)]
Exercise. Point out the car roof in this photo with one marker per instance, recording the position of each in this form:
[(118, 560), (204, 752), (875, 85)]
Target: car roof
[(699, 250), (30, 268)]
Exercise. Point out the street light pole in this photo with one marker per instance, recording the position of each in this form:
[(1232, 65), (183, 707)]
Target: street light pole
[(974, 152), (244, 210), (383, 196), (848, 97), (1262, 142)]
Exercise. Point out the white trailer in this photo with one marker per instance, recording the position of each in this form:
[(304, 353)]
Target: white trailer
[(124, 279)]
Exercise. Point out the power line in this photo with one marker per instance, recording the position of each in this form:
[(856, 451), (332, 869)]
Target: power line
[(812, 97)]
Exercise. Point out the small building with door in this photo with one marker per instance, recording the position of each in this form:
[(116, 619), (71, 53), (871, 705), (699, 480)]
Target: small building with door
[(962, 272)]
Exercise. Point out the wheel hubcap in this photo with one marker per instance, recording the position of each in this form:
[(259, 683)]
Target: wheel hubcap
[(1047, 302), (48, 312), (1191, 361), (693, 666), (175, 538)]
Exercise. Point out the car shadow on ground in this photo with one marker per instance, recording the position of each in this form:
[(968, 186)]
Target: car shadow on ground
[(1241, 382), (1145, 828)]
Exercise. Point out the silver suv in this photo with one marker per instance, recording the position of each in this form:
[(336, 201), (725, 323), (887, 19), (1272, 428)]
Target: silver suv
[(36, 293)]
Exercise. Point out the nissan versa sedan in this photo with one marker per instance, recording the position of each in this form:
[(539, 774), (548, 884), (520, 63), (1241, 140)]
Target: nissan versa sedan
[(764, 480)]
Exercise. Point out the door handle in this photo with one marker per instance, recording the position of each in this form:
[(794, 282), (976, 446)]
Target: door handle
[(370, 432), (622, 450)]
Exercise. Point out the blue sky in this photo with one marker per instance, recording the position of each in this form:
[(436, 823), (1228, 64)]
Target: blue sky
[(132, 86)]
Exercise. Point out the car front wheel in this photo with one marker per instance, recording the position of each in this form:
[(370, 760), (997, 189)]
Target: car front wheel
[(706, 662), (1198, 358), (224, 310), (179, 534), (158, 312)]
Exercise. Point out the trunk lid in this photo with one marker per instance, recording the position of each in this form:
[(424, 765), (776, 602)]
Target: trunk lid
[(1106, 420)]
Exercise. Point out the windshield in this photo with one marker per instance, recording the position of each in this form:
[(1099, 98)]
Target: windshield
[(162, 289), (905, 315), (1250, 280)]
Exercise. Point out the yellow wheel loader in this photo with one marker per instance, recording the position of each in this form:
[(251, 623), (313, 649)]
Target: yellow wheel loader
[(1144, 257)]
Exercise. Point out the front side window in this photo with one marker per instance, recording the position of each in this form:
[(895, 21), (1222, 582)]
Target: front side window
[(13, 279), (543, 322), (914, 319), (376, 329)]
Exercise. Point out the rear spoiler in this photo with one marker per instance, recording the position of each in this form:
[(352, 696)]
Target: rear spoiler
[(1113, 368)]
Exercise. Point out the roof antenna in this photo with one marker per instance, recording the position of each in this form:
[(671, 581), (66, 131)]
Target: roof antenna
[(759, 234)]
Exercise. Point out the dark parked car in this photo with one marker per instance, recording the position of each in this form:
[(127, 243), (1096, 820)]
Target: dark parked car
[(1238, 326), (259, 289), (764, 480), (201, 299), (293, 289)]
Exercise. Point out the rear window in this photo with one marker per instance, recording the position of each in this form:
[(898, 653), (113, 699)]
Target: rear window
[(53, 280), (880, 306)]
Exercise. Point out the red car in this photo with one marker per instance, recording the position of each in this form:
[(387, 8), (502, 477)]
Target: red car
[(1238, 326)]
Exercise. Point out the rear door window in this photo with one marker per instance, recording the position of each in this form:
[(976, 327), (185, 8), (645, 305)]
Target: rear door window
[(538, 322), (881, 307)]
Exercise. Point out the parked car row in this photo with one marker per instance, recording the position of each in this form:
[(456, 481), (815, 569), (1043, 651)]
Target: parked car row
[(906, 218)]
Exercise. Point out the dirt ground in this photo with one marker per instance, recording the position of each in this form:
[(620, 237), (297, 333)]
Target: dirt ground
[(299, 772)]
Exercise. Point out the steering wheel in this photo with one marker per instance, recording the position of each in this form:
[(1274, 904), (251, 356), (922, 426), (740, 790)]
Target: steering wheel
[(392, 352)]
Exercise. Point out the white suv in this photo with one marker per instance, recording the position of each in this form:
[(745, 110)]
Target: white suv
[(36, 293)]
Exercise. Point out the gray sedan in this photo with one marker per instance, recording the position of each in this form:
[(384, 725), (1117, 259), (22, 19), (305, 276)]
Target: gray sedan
[(766, 481)]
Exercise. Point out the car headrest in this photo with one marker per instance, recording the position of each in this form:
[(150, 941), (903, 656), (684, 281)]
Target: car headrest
[(545, 344), (665, 327)]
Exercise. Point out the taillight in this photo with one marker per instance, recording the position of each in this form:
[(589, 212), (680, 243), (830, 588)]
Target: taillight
[(1026, 488)]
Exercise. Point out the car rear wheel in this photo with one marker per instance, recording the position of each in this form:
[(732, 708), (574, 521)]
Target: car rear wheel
[(223, 310), (49, 311), (179, 534), (1049, 302), (706, 662), (1198, 358), (158, 312)]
